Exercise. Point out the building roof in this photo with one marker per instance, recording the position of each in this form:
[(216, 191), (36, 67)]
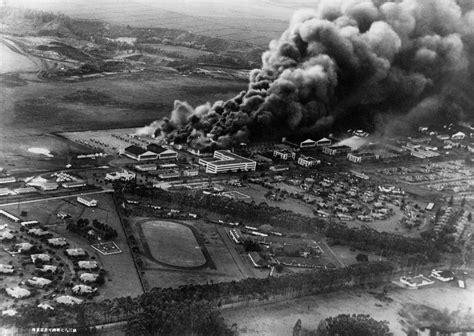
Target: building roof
[(156, 148), (228, 158), (324, 140), (75, 252), (307, 142), (135, 150), (39, 281), (67, 299), (18, 292)]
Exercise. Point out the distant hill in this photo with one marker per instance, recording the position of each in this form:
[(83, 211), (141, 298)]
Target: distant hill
[(160, 40)]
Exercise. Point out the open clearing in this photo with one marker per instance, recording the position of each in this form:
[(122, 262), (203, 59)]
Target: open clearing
[(173, 244), (32, 110), (279, 319)]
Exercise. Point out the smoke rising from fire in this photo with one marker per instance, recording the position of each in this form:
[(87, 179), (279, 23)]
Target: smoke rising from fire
[(345, 62)]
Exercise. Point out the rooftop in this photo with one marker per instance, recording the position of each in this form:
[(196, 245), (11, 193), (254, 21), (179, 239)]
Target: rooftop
[(135, 150)]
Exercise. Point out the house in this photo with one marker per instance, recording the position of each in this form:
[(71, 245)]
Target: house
[(6, 236), (83, 289), (307, 143), (168, 173), (40, 256), (145, 167), (18, 292), (74, 184), (257, 260), (190, 171), (124, 175), (75, 252), (38, 282), (87, 201), (163, 153), (442, 137), (359, 157), (139, 154), (335, 150), (88, 277), (23, 247), (40, 233), (323, 142), (307, 161), (48, 269), (423, 129), (284, 154), (68, 299), (29, 224), (360, 133), (416, 281), (458, 136), (6, 269), (57, 242), (443, 276), (87, 264)]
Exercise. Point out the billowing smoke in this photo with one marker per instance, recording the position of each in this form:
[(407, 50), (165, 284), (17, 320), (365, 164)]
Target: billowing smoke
[(344, 64)]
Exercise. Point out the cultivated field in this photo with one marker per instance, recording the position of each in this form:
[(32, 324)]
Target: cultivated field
[(173, 244)]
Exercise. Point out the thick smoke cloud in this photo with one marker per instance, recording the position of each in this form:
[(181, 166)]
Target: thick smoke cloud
[(343, 63)]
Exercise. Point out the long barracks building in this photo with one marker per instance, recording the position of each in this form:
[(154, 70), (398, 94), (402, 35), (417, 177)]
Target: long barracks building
[(225, 161)]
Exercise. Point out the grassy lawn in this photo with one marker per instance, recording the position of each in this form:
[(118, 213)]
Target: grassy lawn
[(173, 244)]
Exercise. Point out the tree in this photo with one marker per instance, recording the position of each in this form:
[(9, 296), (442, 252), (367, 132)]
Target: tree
[(353, 325), (362, 257), (297, 328), (451, 201), (251, 246)]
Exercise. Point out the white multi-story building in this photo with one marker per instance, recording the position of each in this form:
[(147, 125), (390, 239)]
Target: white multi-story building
[(224, 161)]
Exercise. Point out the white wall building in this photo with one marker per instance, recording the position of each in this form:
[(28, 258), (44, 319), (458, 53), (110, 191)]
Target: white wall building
[(226, 161)]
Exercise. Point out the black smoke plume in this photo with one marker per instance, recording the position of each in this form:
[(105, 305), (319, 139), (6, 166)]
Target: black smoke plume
[(347, 63)]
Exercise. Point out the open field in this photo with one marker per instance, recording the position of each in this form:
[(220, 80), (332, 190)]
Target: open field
[(173, 244), (33, 110), (278, 319)]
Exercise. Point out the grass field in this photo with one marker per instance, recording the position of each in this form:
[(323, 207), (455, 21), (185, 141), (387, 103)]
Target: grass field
[(173, 244), (31, 111)]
